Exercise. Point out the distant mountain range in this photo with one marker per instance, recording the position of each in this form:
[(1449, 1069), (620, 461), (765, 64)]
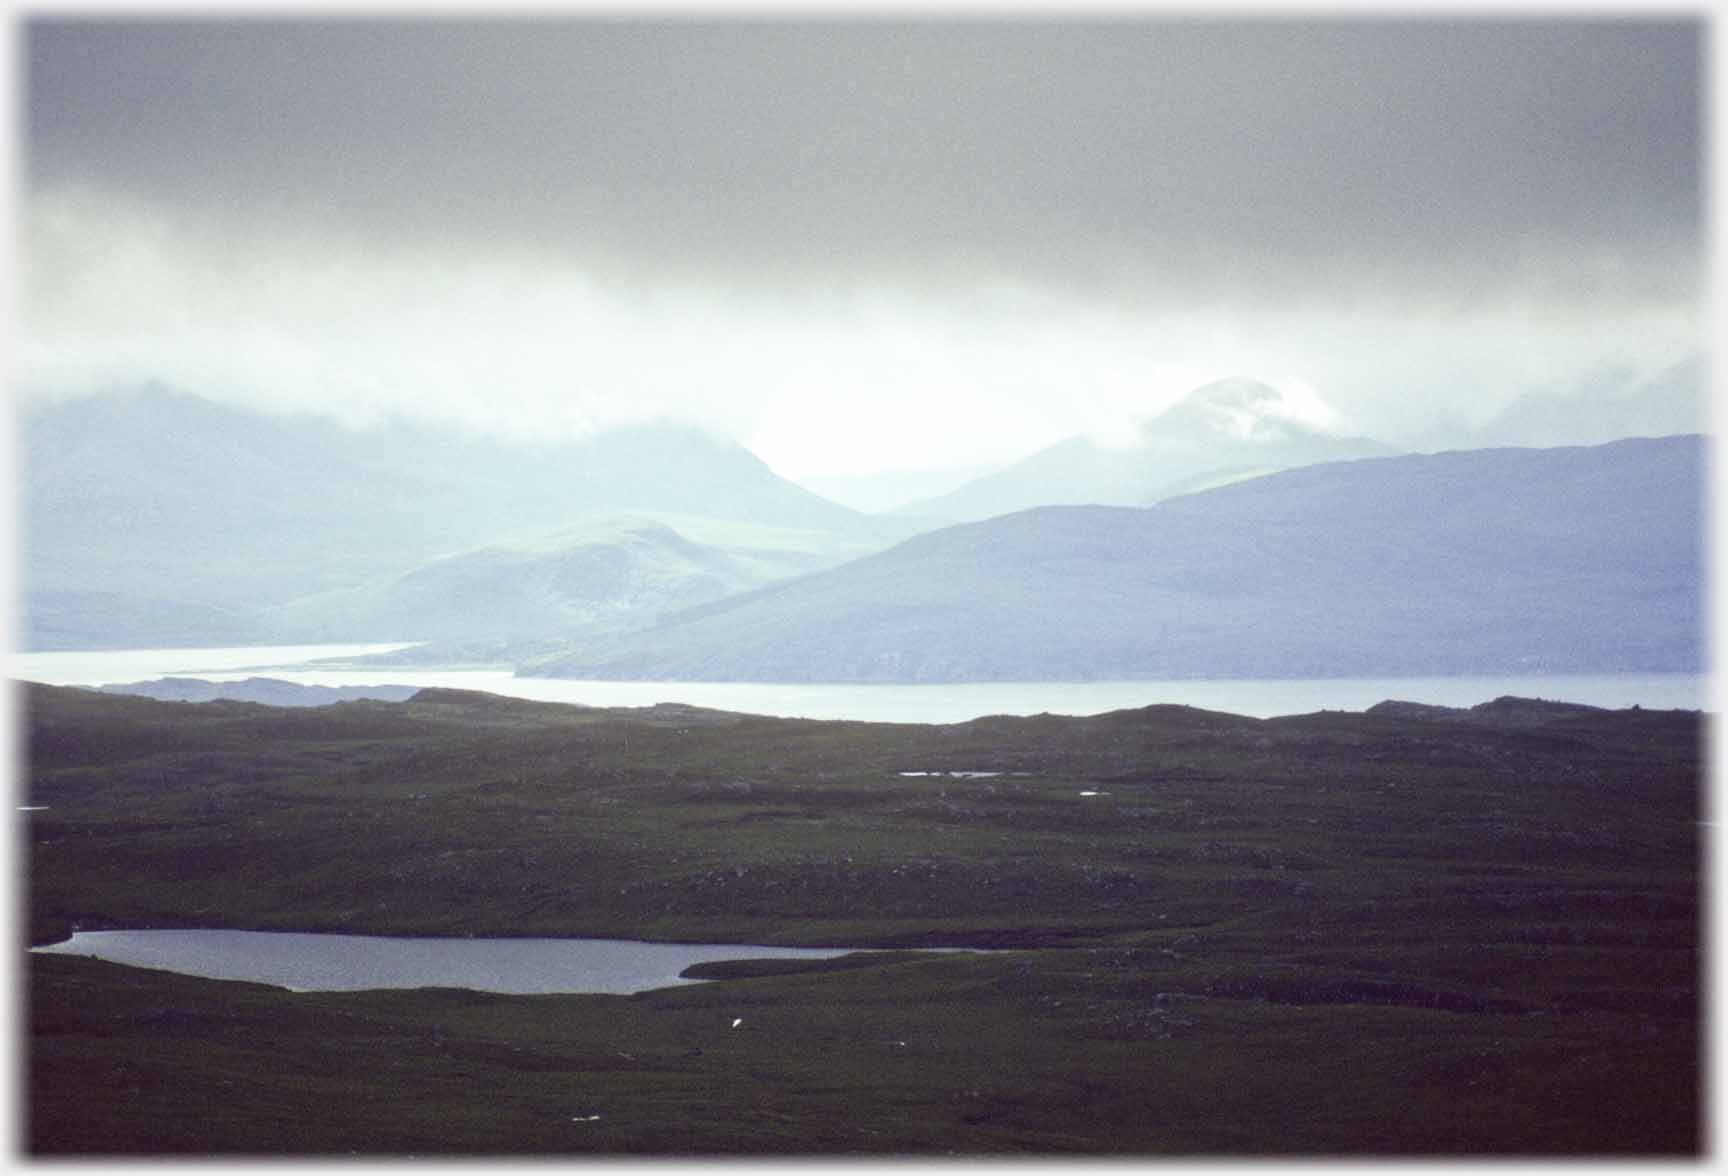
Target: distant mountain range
[(157, 518), (1219, 433), (1275, 548), (1503, 560)]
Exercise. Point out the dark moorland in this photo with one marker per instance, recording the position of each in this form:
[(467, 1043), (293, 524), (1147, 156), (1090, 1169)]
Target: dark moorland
[(1404, 932)]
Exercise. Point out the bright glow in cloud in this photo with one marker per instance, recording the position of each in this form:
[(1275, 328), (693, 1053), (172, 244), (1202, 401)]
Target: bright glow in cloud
[(894, 244), (1299, 402), (877, 377)]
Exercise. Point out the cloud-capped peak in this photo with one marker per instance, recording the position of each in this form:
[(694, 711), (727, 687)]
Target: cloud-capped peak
[(1246, 409)]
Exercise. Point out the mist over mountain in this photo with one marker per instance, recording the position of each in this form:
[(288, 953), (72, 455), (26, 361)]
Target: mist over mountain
[(889, 490), (89, 619), (176, 508), (1506, 560), (1220, 432), (1614, 404)]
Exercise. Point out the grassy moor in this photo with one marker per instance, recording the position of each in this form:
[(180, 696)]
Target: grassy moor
[(1412, 931)]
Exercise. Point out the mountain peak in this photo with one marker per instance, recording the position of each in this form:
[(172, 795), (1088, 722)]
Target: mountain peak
[(1237, 391), (1220, 432), (1244, 409)]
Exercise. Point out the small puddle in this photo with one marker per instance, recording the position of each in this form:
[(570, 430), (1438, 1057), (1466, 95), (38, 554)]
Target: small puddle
[(959, 775)]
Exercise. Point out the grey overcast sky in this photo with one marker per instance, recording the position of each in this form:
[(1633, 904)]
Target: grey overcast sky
[(857, 243)]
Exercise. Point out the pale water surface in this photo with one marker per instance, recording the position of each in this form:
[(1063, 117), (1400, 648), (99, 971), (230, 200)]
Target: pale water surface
[(343, 963), (1261, 698), (97, 667)]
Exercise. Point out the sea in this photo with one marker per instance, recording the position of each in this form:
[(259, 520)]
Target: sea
[(333, 665)]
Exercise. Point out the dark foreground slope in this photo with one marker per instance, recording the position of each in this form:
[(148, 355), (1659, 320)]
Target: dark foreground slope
[(1387, 934), (1482, 561)]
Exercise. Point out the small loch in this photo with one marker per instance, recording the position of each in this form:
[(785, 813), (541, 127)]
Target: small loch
[(306, 962)]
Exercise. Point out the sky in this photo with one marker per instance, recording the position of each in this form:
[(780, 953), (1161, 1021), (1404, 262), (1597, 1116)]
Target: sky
[(863, 244)]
